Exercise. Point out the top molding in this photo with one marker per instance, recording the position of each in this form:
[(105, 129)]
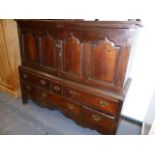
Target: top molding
[(80, 22)]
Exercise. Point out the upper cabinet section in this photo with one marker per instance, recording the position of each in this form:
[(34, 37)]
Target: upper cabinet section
[(90, 52), (91, 55)]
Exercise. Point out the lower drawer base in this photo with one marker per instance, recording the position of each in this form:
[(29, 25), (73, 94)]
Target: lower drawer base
[(81, 114)]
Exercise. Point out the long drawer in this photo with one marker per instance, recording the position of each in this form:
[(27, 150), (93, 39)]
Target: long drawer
[(82, 114), (94, 101), (50, 100)]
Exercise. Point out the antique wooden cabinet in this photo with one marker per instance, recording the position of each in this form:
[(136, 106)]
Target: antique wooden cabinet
[(78, 67)]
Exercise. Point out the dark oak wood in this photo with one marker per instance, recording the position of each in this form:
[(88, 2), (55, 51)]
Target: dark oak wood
[(92, 100), (29, 48), (104, 61), (47, 51), (77, 67)]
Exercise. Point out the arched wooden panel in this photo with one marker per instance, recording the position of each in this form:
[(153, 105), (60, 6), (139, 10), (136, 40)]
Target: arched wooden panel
[(30, 48), (47, 51), (104, 61), (72, 56)]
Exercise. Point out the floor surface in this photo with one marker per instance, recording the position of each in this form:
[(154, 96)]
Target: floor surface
[(29, 119)]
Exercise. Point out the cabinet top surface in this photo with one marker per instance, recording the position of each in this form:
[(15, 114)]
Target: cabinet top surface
[(81, 22)]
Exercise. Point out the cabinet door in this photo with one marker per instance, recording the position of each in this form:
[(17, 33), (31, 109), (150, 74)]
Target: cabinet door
[(108, 58), (38, 48), (94, 56), (49, 54)]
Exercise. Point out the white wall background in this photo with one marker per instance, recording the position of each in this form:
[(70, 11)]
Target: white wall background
[(142, 90), (140, 100)]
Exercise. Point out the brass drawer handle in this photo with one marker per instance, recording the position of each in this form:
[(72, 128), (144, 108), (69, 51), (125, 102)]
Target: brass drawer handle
[(28, 88), (103, 103), (57, 88), (70, 106), (72, 92), (96, 117), (43, 82), (43, 95), (25, 76)]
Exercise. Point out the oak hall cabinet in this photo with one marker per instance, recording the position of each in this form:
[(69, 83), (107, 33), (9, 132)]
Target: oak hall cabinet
[(78, 67)]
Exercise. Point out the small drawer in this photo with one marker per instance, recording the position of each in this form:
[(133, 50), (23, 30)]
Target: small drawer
[(35, 79), (98, 120), (57, 87), (28, 90), (97, 102), (53, 101)]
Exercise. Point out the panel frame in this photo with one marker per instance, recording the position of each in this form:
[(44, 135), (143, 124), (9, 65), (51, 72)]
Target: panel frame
[(118, 37), (38, 32)]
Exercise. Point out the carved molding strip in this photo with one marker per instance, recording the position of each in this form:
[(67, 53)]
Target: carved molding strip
[(106, 41)]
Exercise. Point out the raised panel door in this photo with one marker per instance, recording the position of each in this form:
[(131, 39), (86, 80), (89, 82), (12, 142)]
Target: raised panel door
[(49, 54), (72, 56), (38, 48), (91, 55), (29, 48), (104, 61), (47, 51)]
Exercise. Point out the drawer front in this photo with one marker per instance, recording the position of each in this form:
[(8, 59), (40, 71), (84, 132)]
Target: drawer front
[(34, 79), (28, 90), (94, 101), (82, 114), (97, 120), (53, 101)]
